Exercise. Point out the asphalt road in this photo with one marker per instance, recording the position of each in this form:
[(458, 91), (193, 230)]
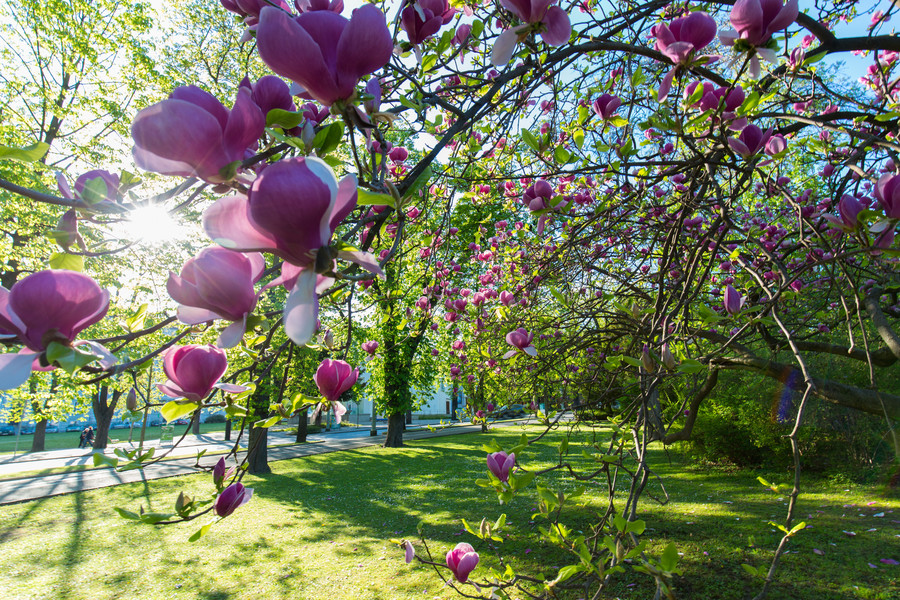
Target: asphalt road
[(281, 447)]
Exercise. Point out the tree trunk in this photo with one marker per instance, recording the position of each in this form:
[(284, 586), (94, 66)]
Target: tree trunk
[(40, 433), (103, 412), (195, 422), (394, 437), (302, 429), (258, 456), (258, 451), (227, 428)]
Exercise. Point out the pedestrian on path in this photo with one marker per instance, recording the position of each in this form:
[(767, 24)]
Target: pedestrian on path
[(82, 438)]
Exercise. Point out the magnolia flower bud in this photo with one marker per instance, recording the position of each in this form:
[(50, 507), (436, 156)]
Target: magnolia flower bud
[(131, 402)]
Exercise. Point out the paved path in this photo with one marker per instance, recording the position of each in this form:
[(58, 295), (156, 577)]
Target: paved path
[(34, 487)]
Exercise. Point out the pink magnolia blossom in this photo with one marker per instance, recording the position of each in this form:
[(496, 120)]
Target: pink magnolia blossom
[(232, 498), (683, 37), (606, 105), (732, 300), (218, 284), (499, 463), (250, 9), (323, 52), (755, 22), (335, 6), (409, 551), (887, 192), (47, 307), (92, 187), (462, 560), (194, 371), (370, 347), (751, 140), (192, 135), (292, 210), (521, 340), (680, 41), (333, 378), (539, 16), (421, 19)]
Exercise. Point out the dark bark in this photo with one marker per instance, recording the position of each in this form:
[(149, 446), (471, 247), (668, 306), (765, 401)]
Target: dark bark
[(258, 455), (228, 429), (394, 437), (258, 451), (40, 434), (302, 429), (870, 401), (195, 422), (103, 412)]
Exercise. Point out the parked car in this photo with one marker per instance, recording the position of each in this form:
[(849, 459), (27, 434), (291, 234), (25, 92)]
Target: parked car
[(51, 429), (155, 423), (179, 422), (7, 430), (512, 411), (75, 427), (27, 429)]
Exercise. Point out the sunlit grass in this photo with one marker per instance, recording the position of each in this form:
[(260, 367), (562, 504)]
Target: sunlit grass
[(318, 528)]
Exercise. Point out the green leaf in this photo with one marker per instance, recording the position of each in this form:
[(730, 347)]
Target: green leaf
[(529, 139), (618, 121), (811, 60), (95, 191), (669, 559), (636, 527), (568, 571), (329, 138), (690, 366), (797, 527), (491, 447), (578, 137), (428, 62), (409, 103), (101, 460), (136, 321), (67, 262), (234, 410), (749, 569), (265, 423), (155, 517), (286, 119), (445, 41), (420, 182), (68, 359), (127, 514), (174, 409), (562, 155), (200, 533), (477, 28), (634, 362), (521, 481), (27, 154)]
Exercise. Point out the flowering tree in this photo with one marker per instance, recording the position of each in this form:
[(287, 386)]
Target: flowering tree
[(610, 205)]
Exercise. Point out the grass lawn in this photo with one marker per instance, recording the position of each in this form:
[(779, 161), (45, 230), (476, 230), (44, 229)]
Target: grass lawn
[(69, 439), (317, 528)]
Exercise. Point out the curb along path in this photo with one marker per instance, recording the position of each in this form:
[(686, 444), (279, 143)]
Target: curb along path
[(33, 488)]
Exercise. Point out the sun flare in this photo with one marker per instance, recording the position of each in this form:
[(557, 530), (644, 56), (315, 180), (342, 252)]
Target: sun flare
[(152, 225)]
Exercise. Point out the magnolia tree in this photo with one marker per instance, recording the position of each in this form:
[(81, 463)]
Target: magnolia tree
[(575, 204)]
